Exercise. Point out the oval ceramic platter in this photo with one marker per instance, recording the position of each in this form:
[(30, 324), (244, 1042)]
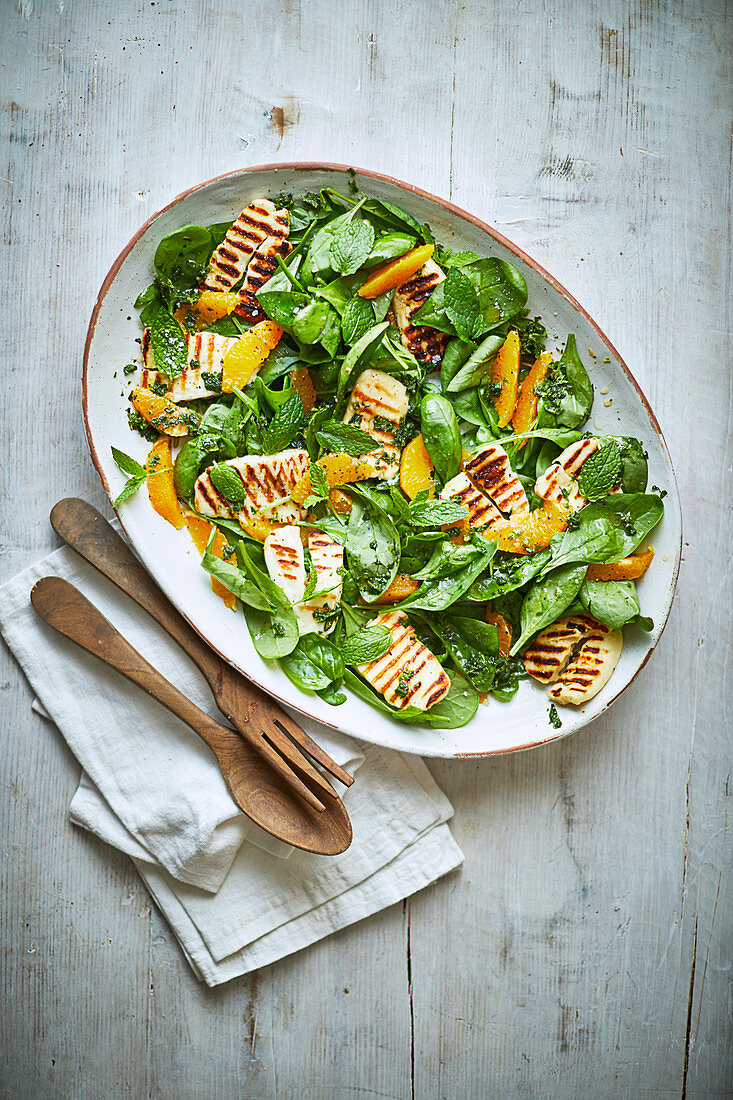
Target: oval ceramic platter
[(170, 557)]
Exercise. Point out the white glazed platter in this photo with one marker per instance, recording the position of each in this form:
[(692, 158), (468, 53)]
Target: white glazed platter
[(170, 556)]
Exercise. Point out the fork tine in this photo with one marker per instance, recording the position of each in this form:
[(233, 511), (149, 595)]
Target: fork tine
[(295, 759), (282, 766), (301, 738)]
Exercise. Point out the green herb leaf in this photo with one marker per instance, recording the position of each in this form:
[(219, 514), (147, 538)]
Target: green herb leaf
[(608, 529), (284, 426), (372, 548), (350, 246), (366, 645), (547, 599), (478, 365), (128, 465), (600, 472), (319, 481), (168, 344), (434, 513), (236, 581), (359, 355), (336, 436), (130, 487), (461, 304), (227, 481), (356, 320), (441, 434)]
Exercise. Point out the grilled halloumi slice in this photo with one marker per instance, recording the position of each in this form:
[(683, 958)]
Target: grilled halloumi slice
[(491, 471), (482, 512), (558, 483), (205, 352), (426, 344), (379, 398), (553, 649), (285, 563), (590, 669), (327, 559), (261, 267), (255, 224), (267, 480), (408, 674)]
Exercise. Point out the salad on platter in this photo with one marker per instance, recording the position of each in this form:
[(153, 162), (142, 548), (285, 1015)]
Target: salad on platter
[(382, 464)]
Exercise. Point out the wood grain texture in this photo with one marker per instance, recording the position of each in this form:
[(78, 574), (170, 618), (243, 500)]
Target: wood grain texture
[(585, 947)]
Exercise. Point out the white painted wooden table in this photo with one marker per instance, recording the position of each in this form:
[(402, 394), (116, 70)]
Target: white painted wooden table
[(584, 949)]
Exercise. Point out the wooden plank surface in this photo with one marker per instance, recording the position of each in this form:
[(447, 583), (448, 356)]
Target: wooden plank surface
[(585, 948)]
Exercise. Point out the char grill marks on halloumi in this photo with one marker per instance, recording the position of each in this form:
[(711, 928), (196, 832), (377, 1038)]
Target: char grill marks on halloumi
[(558, 483), (590, 669), (254, 225), (491, 471), (266, 480), (551, 651), (408, 674), (482, 512), (378, 404), (285, 563), (205, 353), (261, 267), (426, 344)]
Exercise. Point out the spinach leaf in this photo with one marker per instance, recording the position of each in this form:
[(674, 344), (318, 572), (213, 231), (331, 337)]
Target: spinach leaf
[(350, 246), (180, 256), (441, 434), (366, 645), (359, 355), (275, 633), (390, 246), (508, 574), (235, 581), (314, 664), (227, 481), (478, 365), (449, 574), (334, 435), (284, 426), (600, 472), (547, 599), (615, 603), (472, 644), (500, 288), (168, 344), (456, 355), (461, 305), (319, 417), (566, 392), (372, 548), (562, 437), (317, 265), (455, 710), (634, 470), (397, 218), (148, 302), (609, 529), (356, 319)]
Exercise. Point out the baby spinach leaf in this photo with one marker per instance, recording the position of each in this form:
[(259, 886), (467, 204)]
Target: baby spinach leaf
[(372, 548), (499, 286), (566, 392), (359, 355), (314, 664), (274, 634), (317, 264), (508, 574), (441, 434), (600, 472), (284, 426), (390, 246), (397, 218), (180, 256), (366, 645), (615, 603), (235, 581), (356, 319), (472, 644), (455, 710), (148, 302), (334, 435), (562, 437), (456, 355), (227, 481), (547, 599), (168, 344), (448, 575), (461, 305), (350, 246), (608, 529), (478, 365), (634, 470)]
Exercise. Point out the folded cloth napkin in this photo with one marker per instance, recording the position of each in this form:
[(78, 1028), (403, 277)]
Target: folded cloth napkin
[(151, 788)]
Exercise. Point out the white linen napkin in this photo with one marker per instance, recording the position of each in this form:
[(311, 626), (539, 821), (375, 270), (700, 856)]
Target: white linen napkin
[(151, 788)]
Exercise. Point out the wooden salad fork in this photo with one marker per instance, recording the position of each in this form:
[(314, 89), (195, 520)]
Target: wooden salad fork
[(258, 791)]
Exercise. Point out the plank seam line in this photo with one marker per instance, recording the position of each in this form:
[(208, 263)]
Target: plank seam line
[(690, 997), (411, 1003)]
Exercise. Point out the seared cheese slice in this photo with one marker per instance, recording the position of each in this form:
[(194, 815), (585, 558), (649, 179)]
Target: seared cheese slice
[(378, 404), (426, 344), (327, 559), (552, 650), (482, 512), (261, 267), (285, 563), (254, 225), (267, 480), (491, 471), (408, 675), (590, 669), (558, 483), (205, 353)]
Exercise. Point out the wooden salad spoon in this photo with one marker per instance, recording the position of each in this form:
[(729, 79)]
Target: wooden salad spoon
[(259, 792)]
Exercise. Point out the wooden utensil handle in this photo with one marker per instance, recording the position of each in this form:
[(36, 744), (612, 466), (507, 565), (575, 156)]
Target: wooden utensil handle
[(85, 530), (65, 609)]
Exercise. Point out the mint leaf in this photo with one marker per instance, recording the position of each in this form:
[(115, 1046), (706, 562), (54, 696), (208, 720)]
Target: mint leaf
[(366, 645), (350, 246), (600, 472), (227, 481), (335, 436), (433, 513), (128, 465), (284, 426), (319, 481), (357, 318), (130, 487), (168, 344)]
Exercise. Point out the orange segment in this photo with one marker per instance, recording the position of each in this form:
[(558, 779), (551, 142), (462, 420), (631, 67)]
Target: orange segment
[(303, 384), (416, 469), (161, 487), (209, 308), (527, 401), (531, 532), (627, 569), (259, 528), (393, 274), (163, 415), (245, 358), (401, 587), (340, 469), (504, 630), (505, 371)]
